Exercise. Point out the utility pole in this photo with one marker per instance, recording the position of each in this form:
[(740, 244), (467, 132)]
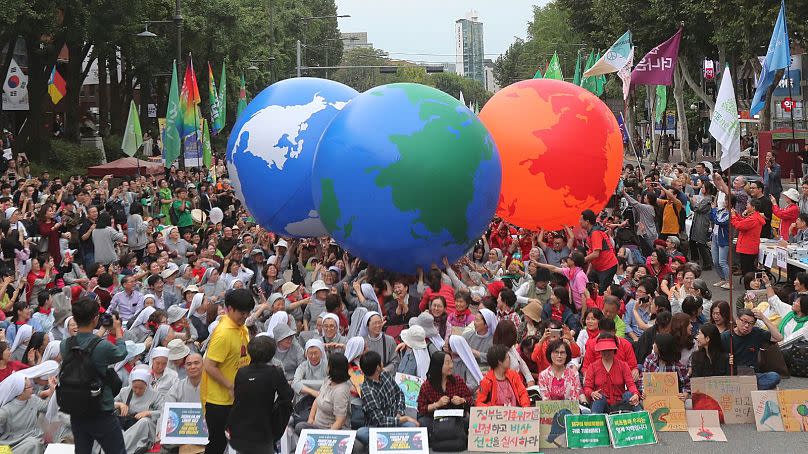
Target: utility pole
[(298, 58)]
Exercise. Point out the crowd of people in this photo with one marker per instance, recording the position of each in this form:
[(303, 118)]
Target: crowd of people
[(275, 335)]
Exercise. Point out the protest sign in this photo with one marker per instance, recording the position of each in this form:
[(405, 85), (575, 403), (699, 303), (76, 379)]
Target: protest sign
[(504, 429), (703, 425), (53, 448), (794, 408), (767, 411), (586, 431), (731, 396), (662, 402), (182, 424), (631, 429), (552, 422), (411, 386), (325, 442), (399, 440), (357, 378)]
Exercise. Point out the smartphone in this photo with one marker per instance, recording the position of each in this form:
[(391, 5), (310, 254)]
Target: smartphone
[(758, 275)]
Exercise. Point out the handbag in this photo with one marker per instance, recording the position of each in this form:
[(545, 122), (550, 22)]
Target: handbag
[(770, 359), (449, 434), (796, 358), (128, 420)]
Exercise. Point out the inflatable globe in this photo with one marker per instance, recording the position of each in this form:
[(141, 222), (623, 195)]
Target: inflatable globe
[(271, 150), (406, 175), (561, 151)]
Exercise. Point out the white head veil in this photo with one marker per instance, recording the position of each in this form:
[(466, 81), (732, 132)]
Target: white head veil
[(363, 328), (159, 335), (370, 294), (24, 333), (280, 317), (354, 347), (143, 316), (356, 321), (11, 387), (459, 345), (490, 320), (196, 302), (64, 329), (51, 351)]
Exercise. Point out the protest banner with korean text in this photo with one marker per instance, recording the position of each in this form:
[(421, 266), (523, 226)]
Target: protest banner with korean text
[(631, 429), (504, 429), (587, 431)]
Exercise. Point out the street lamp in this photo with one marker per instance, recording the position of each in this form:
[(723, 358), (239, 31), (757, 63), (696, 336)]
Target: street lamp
[(146, 33), (177, 21), (298, 44)]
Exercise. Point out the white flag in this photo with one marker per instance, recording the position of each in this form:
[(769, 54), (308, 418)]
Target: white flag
[(15, 88), (615, 58), (725, 126), (625, 73), (462, 100)]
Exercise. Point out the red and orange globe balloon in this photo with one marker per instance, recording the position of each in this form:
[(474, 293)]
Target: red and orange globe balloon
[(561, 152)]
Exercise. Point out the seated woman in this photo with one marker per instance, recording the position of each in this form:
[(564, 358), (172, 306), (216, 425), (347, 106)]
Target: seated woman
[(289, 353), (330, 410), (720, 315), (36, 346), (792, 318), (20, 410), (560, 309), (609, 383), (309, 378), (554, 331), (465, 364), (480, 339), (442, 390), (133, 354), (501, 386), (334, 342), (560, 382), (163, 377), (591, 318), (21, 339), (462, 316), (505, 334), (139, 407), (437, 307), (7, 365), (144, 324), (665, 358), (379, 342), (416, 359), (710, 359)]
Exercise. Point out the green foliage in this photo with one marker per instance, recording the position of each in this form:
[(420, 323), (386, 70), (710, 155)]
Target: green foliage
[(67, 158)]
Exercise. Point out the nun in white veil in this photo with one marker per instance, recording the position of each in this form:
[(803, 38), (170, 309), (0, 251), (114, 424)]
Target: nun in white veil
[(481, 336), (20, 409), (139, 330), (24, 333), (162, 337), (369, 299), (465, 364), (309, 378), (354, 348), (357, 318), (140, 406), (52, 352)]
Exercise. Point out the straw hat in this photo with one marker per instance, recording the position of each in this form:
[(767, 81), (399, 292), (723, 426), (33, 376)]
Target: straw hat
[(414, 337), (177, 350), (289, 288), (533, 311)]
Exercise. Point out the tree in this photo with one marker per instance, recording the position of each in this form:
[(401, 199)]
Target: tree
[(363, 79)]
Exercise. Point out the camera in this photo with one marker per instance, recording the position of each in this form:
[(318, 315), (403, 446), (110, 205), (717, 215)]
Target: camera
[(107, 319)]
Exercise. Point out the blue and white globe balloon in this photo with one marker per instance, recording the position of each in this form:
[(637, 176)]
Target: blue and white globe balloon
[(271, 150)]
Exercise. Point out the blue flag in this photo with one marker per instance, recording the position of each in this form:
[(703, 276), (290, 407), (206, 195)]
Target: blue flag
[(777, 57), (622, 126)]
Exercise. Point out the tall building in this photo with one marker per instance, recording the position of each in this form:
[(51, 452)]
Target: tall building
[(490, 81), (353, 40), (469, 47)]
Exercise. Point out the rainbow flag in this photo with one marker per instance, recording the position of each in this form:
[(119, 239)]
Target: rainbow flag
[(189, 104), (57, 88)]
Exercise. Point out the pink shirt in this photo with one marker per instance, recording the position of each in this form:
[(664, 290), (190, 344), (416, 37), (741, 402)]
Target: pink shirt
[(505, 394), (578, 281)]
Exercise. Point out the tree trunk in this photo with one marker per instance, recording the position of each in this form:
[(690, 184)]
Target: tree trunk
[(681, 112), (73, 81), (116, 124), (34, 134), (691, 82)]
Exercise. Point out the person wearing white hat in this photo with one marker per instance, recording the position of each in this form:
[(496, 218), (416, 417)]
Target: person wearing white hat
[(289, 353), (788, 214), (163, 378), (319, 291), (416, 360), (177, 352), (139, 407), (378, 341), (295, 302), (20, 409), (177, 318)]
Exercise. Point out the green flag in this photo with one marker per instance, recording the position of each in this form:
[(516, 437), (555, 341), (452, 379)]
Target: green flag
[(661, 102), (577, 78), (538, 74), (242, 97), (600, 81), (590, 83), (221, 121), (171, 139), (207, 154), (132, 136), (554, 69)]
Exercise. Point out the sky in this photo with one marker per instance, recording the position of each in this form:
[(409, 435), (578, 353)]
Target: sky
[(407, 28)]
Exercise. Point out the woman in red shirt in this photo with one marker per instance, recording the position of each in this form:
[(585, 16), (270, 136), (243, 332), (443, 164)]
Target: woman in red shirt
[(501, 386), (7, 365), (608, 382), (437, 288), (441, 390), (49, 228), (749, 225), (788, 214)]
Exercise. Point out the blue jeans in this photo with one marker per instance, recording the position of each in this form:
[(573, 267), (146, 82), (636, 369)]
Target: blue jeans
[(599, 406), (103, 428), (720, 263), (363, 434), (767, 380)]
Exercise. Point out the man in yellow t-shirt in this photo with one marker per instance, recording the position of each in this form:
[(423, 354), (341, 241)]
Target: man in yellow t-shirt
[(227, 352)]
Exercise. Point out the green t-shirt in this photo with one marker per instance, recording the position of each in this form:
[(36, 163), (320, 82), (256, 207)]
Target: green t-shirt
[(184, 217)]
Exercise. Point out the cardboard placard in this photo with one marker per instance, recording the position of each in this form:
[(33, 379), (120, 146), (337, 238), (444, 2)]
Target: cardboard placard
[(325, 442), (766, 407), (631, 429), (411, 386), (667, 413), (703, 425), (782, 257), (182, 423), (660, 383), (399, 440), (504, 429), (769, 260), (586, 431), (552, 421), (731, 396), (794, 408), (53, 448)]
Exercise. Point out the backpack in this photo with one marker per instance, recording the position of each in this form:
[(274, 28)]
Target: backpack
[(81, 388)]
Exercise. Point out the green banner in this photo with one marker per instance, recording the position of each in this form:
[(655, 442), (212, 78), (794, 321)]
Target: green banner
[(586, 431), (631, 429)]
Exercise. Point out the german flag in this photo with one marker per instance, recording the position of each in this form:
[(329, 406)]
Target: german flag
[(56, 86)]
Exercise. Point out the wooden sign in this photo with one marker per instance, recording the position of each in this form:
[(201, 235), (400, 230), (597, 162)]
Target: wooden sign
[(766, 407), (504, 429), (730, 396), (552, 422)]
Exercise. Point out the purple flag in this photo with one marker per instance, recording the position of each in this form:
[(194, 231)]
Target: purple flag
[(656, 68)]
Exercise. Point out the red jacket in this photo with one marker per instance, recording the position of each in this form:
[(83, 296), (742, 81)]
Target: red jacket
[(539, 355), (445, 291), (625, 353), (787, 217), (487, 393), (749, 229), (612, 384)]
